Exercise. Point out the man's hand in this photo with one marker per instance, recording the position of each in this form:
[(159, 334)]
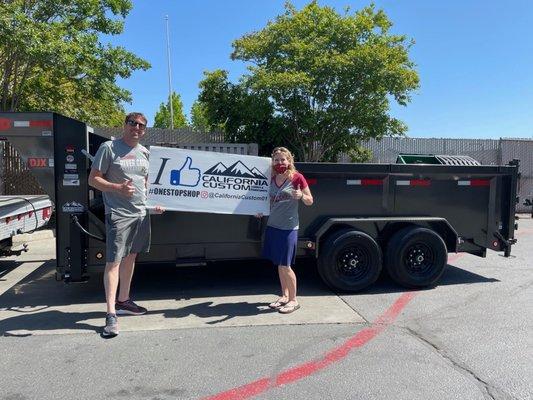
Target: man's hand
[(126, 189), (159, 209)]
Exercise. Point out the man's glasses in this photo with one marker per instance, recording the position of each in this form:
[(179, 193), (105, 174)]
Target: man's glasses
[(135, 124)]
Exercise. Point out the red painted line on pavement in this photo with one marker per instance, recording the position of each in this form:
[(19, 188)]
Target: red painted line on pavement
[(304, 370)]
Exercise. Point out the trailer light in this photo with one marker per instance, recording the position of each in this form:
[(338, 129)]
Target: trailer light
[(47, 212), (495, 243), (310, 245), (99, 255)]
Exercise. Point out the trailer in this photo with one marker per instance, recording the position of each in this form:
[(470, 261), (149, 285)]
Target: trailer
[(402, 218), (21, 214)]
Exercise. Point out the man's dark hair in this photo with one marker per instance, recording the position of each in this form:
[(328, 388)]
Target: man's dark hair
[(133, 115)]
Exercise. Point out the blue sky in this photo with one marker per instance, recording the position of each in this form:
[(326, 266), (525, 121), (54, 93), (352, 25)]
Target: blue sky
[(474, 57)]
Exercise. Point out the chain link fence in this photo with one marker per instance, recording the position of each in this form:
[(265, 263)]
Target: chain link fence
[(17, 179)]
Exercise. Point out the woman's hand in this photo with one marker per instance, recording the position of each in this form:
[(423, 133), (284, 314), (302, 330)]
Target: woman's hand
[(297, 193)]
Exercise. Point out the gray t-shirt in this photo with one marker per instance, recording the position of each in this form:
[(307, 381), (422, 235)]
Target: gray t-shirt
[(119, 162), (283, 208)]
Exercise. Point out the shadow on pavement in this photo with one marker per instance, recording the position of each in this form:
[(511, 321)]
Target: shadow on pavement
[(47, 321), (226, 311), (6, 266), (452, 276), (161, 282), (39, 291)]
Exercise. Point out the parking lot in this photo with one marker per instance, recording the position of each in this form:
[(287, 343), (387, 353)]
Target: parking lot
[(210, 334)]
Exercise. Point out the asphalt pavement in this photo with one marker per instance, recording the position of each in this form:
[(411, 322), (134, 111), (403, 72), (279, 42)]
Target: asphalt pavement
[(209, 334)]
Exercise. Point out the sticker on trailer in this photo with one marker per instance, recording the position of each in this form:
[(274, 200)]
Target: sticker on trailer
[(50, 162), (71, 182), (414, 182), (73, 206), (69, 149), (71, 166), (33, 124), (5, 124), (364, 182), (71, 177), (69, 158), (474, 182), (37, 162), (46, 133)]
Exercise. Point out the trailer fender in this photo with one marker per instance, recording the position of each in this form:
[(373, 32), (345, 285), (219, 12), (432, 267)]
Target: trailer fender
[(382, 229)]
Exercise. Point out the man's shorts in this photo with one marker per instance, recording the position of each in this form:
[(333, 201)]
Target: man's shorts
[(126, 235)]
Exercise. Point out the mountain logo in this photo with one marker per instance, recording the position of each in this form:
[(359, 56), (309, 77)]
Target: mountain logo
[(237, 169)]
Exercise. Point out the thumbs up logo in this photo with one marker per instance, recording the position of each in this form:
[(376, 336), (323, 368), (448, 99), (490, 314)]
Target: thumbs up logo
[(186, 175)]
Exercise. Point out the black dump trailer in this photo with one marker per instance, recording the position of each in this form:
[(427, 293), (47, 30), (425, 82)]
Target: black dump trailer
[(404, 218)]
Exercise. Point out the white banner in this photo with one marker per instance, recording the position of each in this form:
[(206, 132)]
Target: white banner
[(204, 181)]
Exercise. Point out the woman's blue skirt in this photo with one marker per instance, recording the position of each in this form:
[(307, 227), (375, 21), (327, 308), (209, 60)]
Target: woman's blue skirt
[(280, 246)]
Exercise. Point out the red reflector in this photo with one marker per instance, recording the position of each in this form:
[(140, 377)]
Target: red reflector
[(5, 124), (20, 216), (8, 219), (479, 182), (311, 181), (371, 182), (47, 212), (420, 182), (47, 123)]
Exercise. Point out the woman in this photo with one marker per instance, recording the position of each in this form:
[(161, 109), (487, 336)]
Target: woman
[(287, 188)]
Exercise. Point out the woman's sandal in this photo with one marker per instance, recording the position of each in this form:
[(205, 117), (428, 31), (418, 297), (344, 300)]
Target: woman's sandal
[(288, 309), (277, 304)]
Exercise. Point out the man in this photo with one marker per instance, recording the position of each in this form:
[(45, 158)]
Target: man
[(120, 171)]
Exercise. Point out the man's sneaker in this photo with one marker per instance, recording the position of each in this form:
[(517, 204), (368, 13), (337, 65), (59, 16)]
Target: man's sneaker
[(128, 307), (111, 326)]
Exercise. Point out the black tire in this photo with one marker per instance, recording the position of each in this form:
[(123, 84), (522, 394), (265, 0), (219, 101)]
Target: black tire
[(416, 257), (349, 261)]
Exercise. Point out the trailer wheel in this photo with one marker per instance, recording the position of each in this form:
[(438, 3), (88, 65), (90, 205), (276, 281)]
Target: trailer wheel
[(416, 257), (350, 261)]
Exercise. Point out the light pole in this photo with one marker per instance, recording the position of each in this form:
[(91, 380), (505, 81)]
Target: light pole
[(169, 79)]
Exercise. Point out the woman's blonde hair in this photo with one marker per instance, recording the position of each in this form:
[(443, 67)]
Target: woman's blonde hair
[(285, 151)]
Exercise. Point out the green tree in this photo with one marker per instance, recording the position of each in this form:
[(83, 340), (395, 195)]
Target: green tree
[(51, 58), (243, 115), (328, 78), (162, 117), (359, 154), (199, 118)]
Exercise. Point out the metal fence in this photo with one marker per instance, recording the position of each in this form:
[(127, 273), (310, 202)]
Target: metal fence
[(159, 136), (16, 179)]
